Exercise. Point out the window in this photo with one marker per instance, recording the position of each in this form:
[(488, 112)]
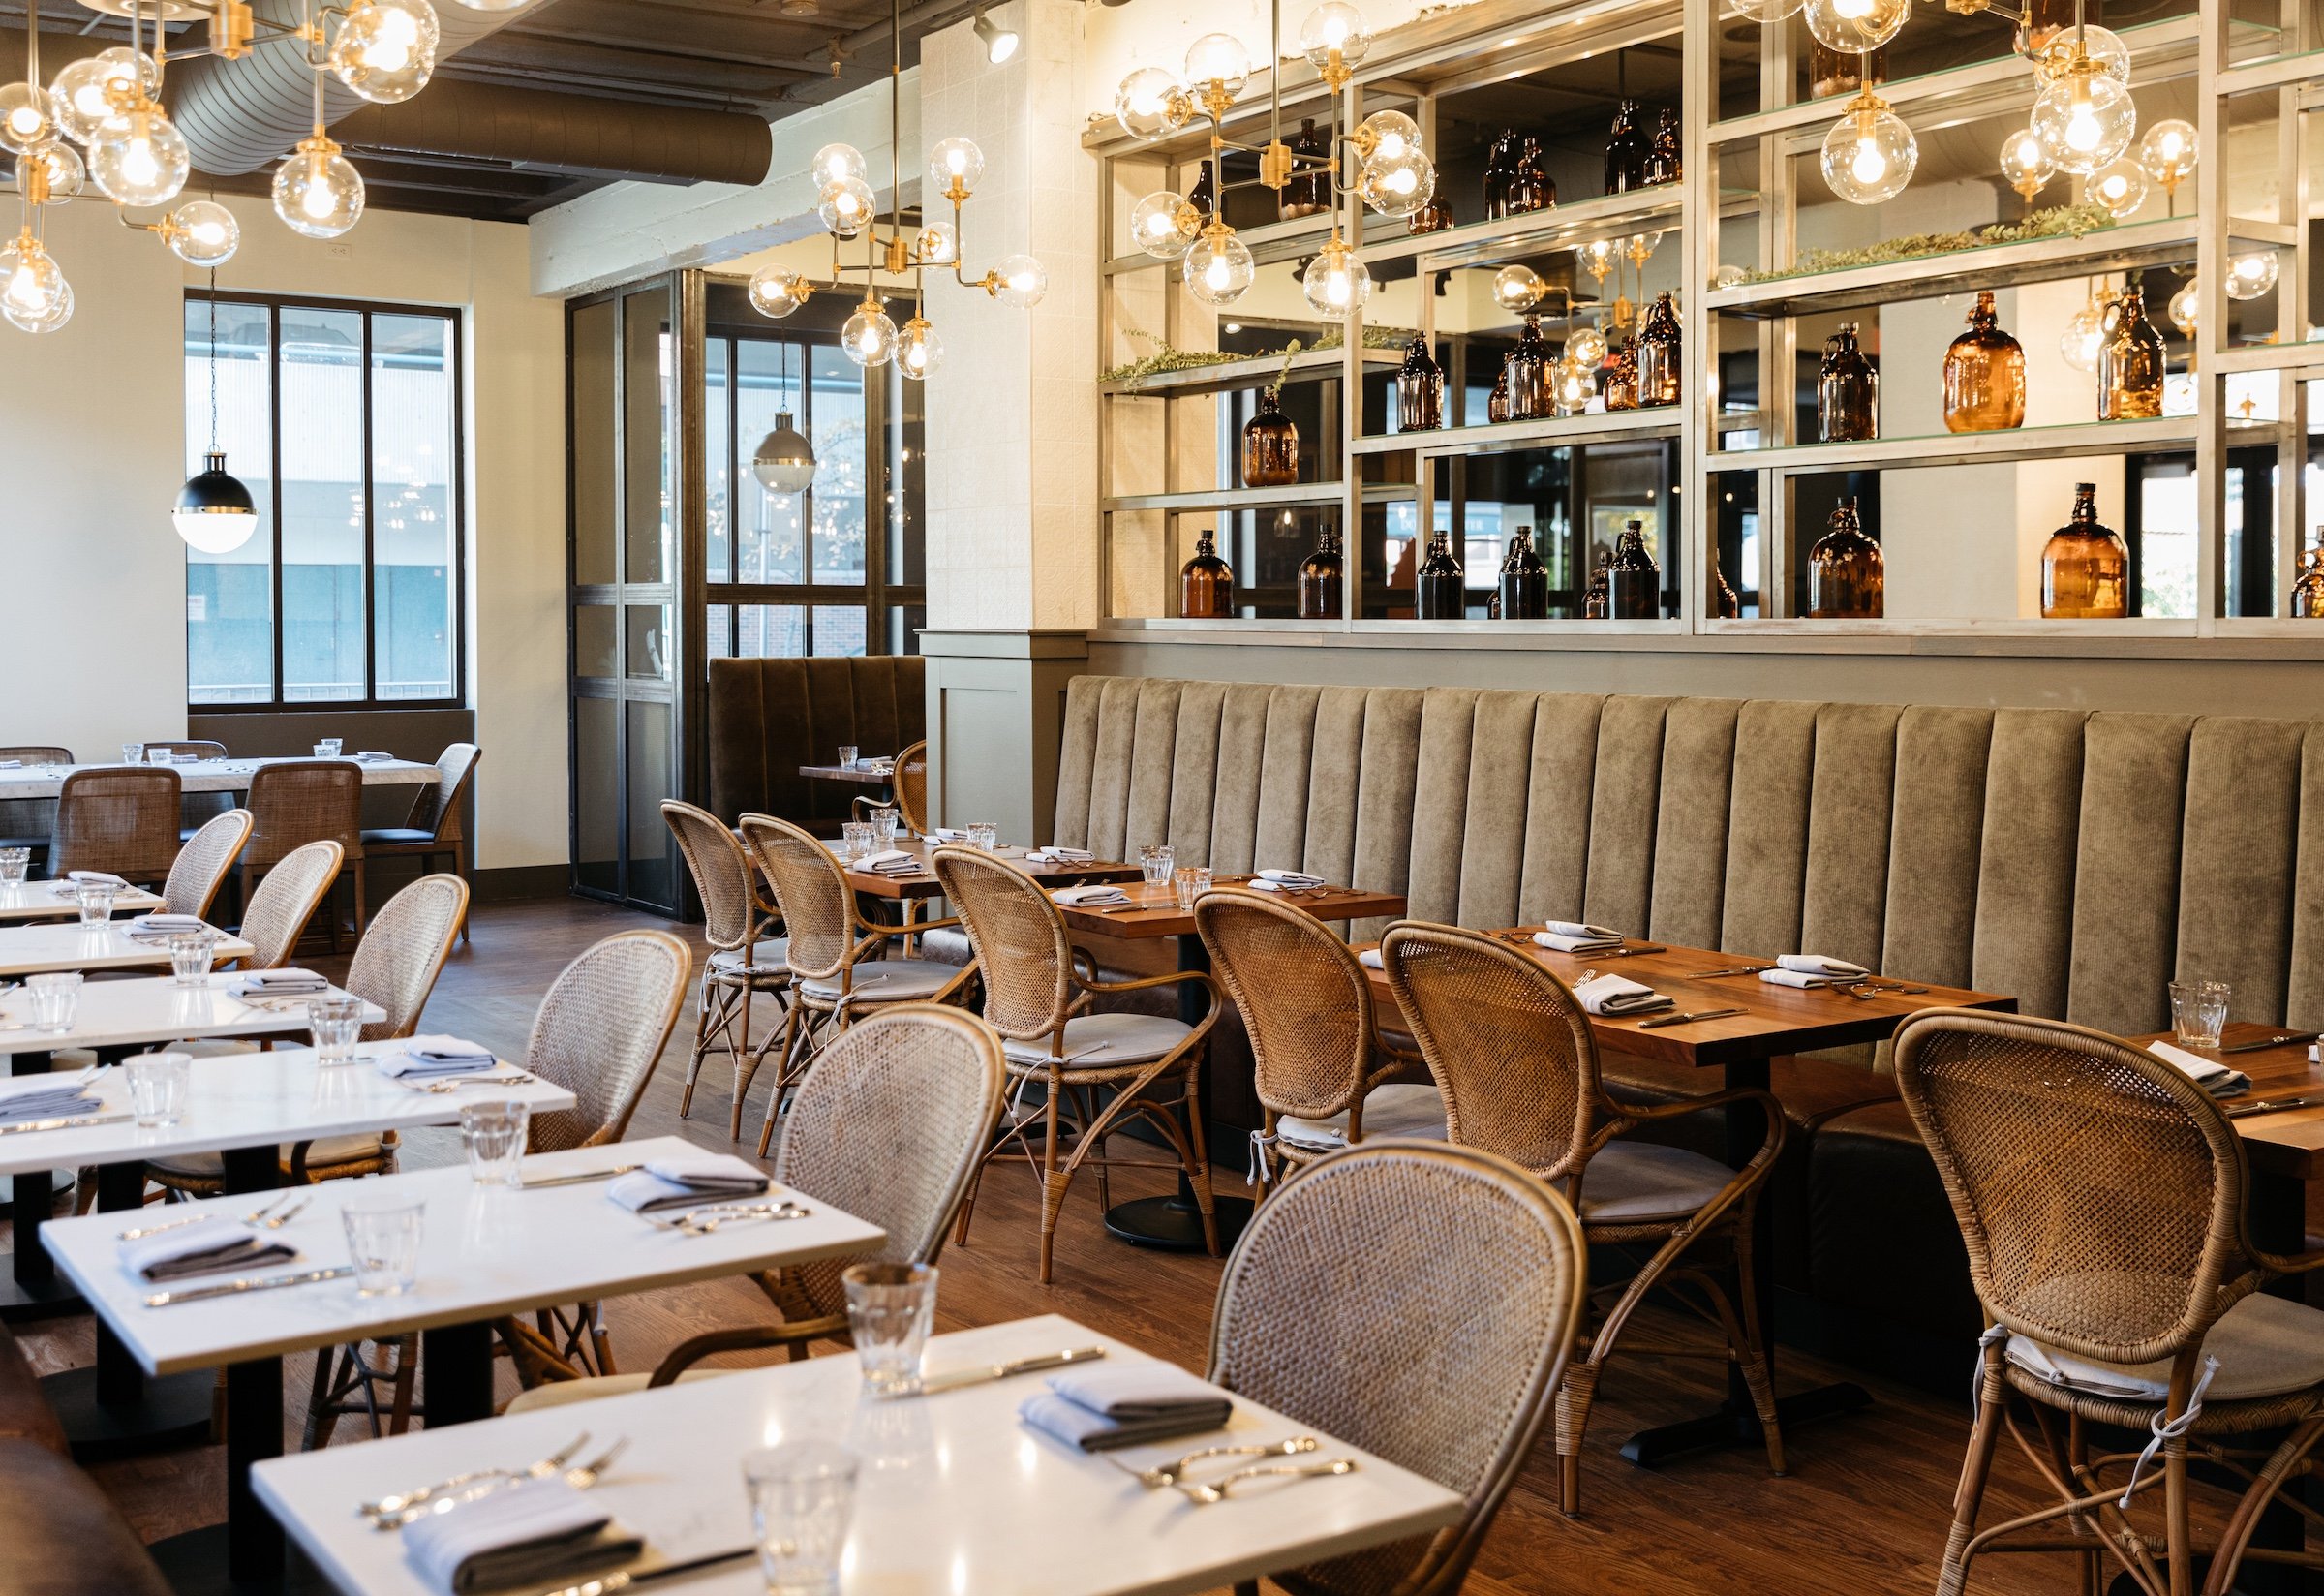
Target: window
[(344, 421)]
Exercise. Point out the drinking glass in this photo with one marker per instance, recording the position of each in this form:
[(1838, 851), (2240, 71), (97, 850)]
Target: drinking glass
[(1188, 884), (884, 821), (55, 1000), (494, 1135), (2198, 1009), (889, 1307), (382, 1242), (333, 1024), (95, 902), (855, 840), (14, 863), (160, 756), (157, 1087), (190, 956), (1157, 860), (327, 748), (848, 753), (132, 754), (983, 836), (802, 1501)]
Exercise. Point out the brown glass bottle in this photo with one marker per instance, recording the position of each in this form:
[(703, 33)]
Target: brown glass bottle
[(1320, 578), (1433, 217), (1622, 376), (2130, 361), (1625, 151), (1663, 157), (2085, 566), (1202, 197), (1528, 187), (1206, 582), (1497, 402), (1524, 586), (1497, 158), (2308, 588), (1420, 390), (1633, 590), (1847, 574), (1526, 369), (1594, 598), (1984, 375), (1270, 445), (1442, 587), (1833, 72), (1847, 391), (1309, 189), (1730, 608), (1658, 354)]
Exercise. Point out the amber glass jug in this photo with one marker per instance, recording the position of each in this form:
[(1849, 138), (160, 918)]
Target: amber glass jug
[(1527, 369), (1433, 217), (1622, 376), (1984, 375), (1497, 402), (1443, 587), (1663, 156), (1270, 445), (2308, 588), (1847, 574), (1626, 150), (1658, 357), (1527, 187), (1320, 578), (1206, 582), (2085, 566), (1309, 189), (1847, 391), (2130, 361), (1594, 598), (1497, 159), (1420, 390), (1524, 586), (1634, 588)]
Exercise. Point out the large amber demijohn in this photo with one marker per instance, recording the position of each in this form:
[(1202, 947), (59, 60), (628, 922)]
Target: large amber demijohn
[(1984, 375), (2085, 566)]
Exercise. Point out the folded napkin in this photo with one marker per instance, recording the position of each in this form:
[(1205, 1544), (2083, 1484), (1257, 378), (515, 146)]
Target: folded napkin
[(2217, 1079), (1577, 936), (1054, 854), (373, 756), (891, 862), (12, 764), (539, 1532), (277, 983), (166, 925), (687, 1179), (2312, 1055), (203, 1247), (98, 877), (1615, 996), (1290, 879), (948, 834), (1096, 895), (1127, 1405), (1821, 963), (28, 1097), (429, 1057), (1370, 958)]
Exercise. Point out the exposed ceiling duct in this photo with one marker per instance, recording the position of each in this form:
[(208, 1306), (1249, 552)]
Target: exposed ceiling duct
[(569, 135)]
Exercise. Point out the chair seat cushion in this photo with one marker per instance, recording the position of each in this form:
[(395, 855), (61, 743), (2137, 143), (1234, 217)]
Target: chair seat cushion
[(1391, 1109), (1106, 1041), (1637, 1182), (767, 957), (559, 1392), (390, 836), (2265, 1346), (65, 1537), (323, 1151), (890, 980)]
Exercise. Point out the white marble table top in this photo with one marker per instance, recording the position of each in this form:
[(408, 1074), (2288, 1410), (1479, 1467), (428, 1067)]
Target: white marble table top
[(955, 1494), (38, 948), (253, 1099), (37, 901), (484, 1251), (147, 1009), (208, 775)]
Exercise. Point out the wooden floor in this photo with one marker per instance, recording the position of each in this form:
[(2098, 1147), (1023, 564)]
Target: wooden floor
[(1863, 1510)]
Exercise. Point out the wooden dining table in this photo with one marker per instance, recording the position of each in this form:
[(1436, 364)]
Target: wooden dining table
[(2284, 1144), (922, 883)]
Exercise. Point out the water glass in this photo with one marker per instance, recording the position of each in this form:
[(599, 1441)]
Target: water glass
[(855, 840), (132, 754), (191, 953), (983, 836), (158, 1082), (848, 754), (884, 821), (334, 1024), (2198, 1009), (494, 1134), (802, 1502), (889, 1308), (14, 863), (95, 902), (382, 1242), (327, 748), (1188, 884), (158, 756), (55, 1000), (1156, 860)]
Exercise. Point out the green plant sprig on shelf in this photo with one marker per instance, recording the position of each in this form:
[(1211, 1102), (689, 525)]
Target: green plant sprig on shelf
[(1166, 358), (2055, 222)]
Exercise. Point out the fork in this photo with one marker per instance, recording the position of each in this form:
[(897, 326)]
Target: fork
[(548, 1465), (1218, 1489), (256, 1215), (443, 1088), (1171, 1473), (706, 1222), (278, 1221), (580, 1479)]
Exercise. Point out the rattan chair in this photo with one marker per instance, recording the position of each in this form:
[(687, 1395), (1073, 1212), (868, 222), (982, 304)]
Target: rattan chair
[(294, 803), (29, 822), (909, 784), (1511, 1048), (437, 828), (121, 818), (832, 953), (888, 1127), (277, 913), (1037, 998), (1420, 1302), (195, 809), (204, 861), (743, 959), (2101, 1196), (1320, 1069)]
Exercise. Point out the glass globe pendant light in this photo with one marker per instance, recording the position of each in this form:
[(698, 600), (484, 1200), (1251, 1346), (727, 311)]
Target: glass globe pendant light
[(1334, 35), (386, 49), (50, 172), (214, 513), (27, 117), (1870, 153), (1857, 27), (936, 245), (2105, 49), (1219, 266), (1586, 348), (317, 190), (1150, 104), (2121, 188), (1335, 283), (1397, 186), (1165, 224), (2026, 164), (1386, 135), (918, 350), (836, 163), (847, 207), (140, 158), (2166, 154), (201, 232), (30, 279), (2185, 306), (2249, 276), (955, 165), (85, 92), (1018, 282), (48, 321), (2078, 344), (785, 461), (1517, 289), (2084, 118), (778, 291), (869, 336), (1217, 64)]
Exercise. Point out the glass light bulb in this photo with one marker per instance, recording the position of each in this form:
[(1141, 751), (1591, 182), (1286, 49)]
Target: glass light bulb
[(386, 49), (1142, 103), (836, 163), (2103, 47), (2026, 162), (1335, 283), (869, 337), (1573, 383), (918, 350), (2249, 276), (2185, 307), (774, 292), (1401, 186), (1586, 348), (2085, 121), (60, 163), (1022, 281), (936, 245), (1855, 27), (81, 94), (1599, 257), (1869, 156), (2121, 188), (1517, 289), (203, 233), (1391, 135), (847, 206), (2167, 152), (58, 313), (1335, 26), (2078, 344), (1218, 60), (1218, 269), (27, 116), (956, 161), (30, 279), (1164, 225), (141, 159), (318, 192)]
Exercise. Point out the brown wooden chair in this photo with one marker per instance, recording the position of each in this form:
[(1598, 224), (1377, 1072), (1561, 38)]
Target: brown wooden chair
[(29, 822), (2101, 1196), (202, 863), (437, 828), (294, 803), (1319, 1067), (119, 818), (909, 784), (196, 809), (1037, 998), (1511, 1050), (1419, 1302), (743, 959)]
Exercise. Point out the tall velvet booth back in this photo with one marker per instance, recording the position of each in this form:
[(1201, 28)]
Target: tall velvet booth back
[(769, 717)]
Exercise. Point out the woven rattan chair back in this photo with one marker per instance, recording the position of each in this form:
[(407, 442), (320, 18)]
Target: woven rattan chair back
[(403, 949), (1418, 1301), (1023, 952), (30, 819), (117, 818), (200, 747), (311, 801), (2100, 1192), (889, 1125), (601, 1031), (196, 809), (911, 786), (278, 911), (810, 894), (203, 862), (437, 808), (722, 872), (1507, 1041), (1304, 998)]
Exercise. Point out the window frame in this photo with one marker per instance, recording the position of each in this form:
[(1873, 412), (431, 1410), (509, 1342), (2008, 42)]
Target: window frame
[(274, 304)]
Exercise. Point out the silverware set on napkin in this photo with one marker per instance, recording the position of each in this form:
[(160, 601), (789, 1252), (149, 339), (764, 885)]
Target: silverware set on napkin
[(262, 1218), (391, 1512), (1173, 1474)]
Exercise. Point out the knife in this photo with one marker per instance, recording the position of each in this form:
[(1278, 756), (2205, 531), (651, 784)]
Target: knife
[(989, 1372), (2286, 1038), (1738, 969), (578, 1178), (1623, 952), (69, 1122), (2271, 1105), (1687, 1019), (631, 1579), (254, 1283)]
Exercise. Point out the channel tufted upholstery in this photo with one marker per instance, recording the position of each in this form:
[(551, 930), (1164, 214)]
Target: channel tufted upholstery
[(769, 717)]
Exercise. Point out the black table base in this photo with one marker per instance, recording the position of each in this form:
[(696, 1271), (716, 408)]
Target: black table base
[(32, 1291), (1174, 1223), (195, 1564)]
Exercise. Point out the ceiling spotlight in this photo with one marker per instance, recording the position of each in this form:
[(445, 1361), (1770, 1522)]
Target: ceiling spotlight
[(1000, 43)]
